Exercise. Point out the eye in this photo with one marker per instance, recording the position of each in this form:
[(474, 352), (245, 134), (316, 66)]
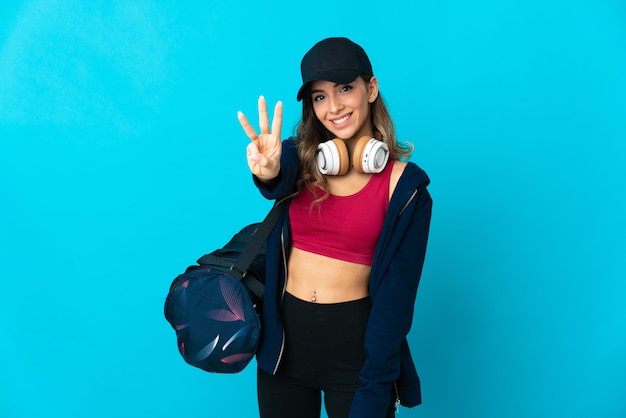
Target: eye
[(318, 97), (345, 88)]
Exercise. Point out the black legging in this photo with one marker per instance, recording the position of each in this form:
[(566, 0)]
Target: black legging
[(323, 354)]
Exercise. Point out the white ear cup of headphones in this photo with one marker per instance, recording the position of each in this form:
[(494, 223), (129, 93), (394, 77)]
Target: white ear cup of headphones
[(332, 157), (370, 155)]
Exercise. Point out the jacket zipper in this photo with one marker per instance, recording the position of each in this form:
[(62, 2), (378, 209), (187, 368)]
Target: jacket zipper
[(415, 192), (282, 342), (395, 385), (397, 406)]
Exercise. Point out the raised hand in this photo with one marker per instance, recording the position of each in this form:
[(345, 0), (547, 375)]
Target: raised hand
[(265, 149)]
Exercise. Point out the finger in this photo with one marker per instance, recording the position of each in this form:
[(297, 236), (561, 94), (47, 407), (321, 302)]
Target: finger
[(252, 149), (263, 118), (256, 160), (247, 127), (277, 122), (260, 161)]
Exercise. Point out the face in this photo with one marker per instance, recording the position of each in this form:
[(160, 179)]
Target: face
[(344, 109)]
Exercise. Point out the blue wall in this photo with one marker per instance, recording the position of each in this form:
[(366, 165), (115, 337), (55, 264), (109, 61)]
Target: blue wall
[(118, 130)]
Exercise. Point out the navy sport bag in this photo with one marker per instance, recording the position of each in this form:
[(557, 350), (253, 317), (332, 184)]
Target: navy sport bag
[(214, 306)]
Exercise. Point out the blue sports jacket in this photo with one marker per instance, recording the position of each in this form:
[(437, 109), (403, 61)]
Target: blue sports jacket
[(394, 278)]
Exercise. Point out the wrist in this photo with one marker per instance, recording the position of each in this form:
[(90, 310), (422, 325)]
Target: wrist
[(268, 180)]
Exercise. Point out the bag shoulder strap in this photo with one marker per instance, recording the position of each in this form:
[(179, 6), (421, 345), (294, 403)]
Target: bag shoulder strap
[(239, 269), (258, 239)]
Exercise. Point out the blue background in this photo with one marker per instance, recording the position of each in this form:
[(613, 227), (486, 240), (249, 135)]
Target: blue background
[(122, 161)]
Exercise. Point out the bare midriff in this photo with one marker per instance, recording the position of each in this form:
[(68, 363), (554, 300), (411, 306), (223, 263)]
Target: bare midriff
[(317, 278)]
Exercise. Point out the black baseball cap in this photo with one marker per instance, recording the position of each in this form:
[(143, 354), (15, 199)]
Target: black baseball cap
[(334, 59)]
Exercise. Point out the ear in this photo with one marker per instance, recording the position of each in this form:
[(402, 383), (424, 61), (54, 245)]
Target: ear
[(372, 89)]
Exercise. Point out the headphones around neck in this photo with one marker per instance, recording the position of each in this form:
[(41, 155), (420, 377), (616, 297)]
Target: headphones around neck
[(370, 156)]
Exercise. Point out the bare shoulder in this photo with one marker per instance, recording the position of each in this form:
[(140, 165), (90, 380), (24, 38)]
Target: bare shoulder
[(396, 172)]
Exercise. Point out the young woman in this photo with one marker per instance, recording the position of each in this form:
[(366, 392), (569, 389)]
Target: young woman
[(344, 264)]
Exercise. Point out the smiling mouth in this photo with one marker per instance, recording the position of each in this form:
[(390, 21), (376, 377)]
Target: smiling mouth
[(342, 120)]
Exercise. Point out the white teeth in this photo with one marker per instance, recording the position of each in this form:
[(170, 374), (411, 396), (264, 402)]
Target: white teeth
[(340, 121)]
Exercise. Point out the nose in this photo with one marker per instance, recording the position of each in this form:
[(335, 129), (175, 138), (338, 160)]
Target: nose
[(335, 104)]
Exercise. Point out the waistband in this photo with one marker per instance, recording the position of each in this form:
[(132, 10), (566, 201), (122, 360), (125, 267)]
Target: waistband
[(348, 306)]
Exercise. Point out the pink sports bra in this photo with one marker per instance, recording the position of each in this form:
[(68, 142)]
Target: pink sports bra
[(342, 227)]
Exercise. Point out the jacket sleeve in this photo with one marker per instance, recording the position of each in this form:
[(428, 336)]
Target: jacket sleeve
[(284, 183), (392, 308)]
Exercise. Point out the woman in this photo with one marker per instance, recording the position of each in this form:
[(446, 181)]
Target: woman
[(343, 266)]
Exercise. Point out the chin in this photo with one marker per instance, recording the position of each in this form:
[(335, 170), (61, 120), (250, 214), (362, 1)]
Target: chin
[(343, 134)]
